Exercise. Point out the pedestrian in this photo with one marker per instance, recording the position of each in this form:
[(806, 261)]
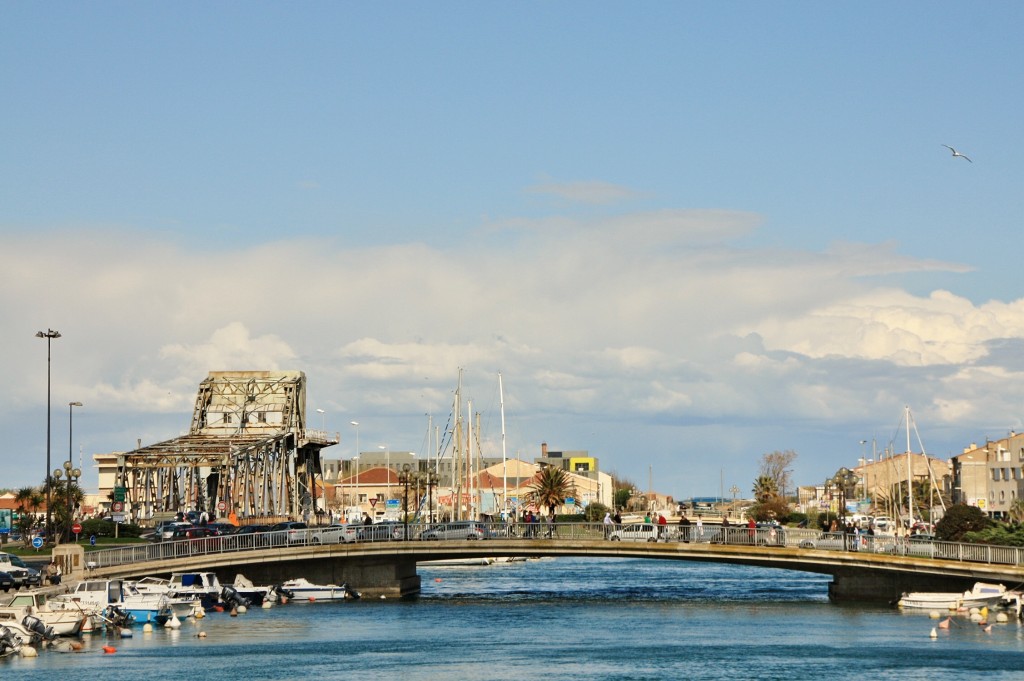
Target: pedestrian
[(550, 520), (751, 530), (367, 520), (684, 527), (607, 524), (700, 528), (662, 522), (58, 574), (51, 573), (618, 519)]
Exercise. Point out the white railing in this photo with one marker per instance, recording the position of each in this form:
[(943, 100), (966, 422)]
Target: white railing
[(561, 532)]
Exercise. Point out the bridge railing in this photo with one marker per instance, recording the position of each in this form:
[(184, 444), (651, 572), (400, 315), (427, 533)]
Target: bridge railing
[(635, 532)]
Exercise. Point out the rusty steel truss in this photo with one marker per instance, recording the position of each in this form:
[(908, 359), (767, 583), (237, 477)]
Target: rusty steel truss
[(248, 451)]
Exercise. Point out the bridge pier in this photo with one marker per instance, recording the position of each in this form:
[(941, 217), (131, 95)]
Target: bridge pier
[(392, 578), (852, 584)]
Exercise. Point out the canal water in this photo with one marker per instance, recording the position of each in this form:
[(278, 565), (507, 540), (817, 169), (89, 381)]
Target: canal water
[(560, 619)]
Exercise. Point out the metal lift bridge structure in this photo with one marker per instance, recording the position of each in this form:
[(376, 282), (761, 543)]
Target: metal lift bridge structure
[(248, 450)]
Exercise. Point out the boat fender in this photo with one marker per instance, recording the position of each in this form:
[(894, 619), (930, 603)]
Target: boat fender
[(242, 609), (29, 651), (201, 634), (934, 633), (109, 650), (126, 632), (147, 629)]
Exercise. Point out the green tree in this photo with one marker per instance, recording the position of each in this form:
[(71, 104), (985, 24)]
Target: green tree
[(551, 487), (959, 520), (778, 466)]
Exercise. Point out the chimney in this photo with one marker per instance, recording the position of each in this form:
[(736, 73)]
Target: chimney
[(544, 449)]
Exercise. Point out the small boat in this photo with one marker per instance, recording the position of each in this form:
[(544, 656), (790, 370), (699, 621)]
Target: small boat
[(453, 562), (203, 586), (35, 604), (244, 588), (303, 590), (981, 594)]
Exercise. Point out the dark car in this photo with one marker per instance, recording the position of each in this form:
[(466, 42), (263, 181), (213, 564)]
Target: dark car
[(7, 582), (253, 529), (194, 532), (224, 528)]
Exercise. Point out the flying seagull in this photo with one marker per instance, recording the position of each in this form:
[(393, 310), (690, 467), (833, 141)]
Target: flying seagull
[(957, 153)]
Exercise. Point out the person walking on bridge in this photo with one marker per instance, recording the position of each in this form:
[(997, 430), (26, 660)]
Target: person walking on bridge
[(607, 524)]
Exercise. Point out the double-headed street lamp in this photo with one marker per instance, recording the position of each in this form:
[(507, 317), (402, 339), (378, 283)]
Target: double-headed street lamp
[(73, 474), (404, 478), (49, 335)]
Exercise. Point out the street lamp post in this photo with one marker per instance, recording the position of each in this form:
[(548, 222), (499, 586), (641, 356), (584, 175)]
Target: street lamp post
[(432, 479), (323, 420), (49, 335), (404, 478), (355, 461), (387, 463)]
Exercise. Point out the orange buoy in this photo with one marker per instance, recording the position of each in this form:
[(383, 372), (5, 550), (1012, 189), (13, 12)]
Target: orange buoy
[(312, 599), (437, 579), (218, 608), (109, 650)]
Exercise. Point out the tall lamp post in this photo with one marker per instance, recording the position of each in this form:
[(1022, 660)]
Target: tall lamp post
[(387, 463), (323, 420), (71, 454), (355, 460), (404, 478), (49, 335)]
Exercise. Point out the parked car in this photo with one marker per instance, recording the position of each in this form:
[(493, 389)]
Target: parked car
[(22, 574), (7, 582), (385, 531), (830, 541), (296, 530), (224, 528), (253, 529), (466, 529), (636, 532), (193, 532), (166, 529), (916, 545)]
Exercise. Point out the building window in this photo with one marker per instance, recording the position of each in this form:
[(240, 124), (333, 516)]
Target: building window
[(261, 417), (1002, 496), (227, 418), (995, 475)]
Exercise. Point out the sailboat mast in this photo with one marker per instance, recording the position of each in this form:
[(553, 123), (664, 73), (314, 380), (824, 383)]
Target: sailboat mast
[(469, 454), (910, 474), (504, 468)]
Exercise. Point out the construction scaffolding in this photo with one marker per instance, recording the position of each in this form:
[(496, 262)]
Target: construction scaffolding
[(248, 451)]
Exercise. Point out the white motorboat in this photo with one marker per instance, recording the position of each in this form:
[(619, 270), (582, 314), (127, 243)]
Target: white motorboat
[(255, 595), (303, 590), (202, 585), (981, 594), (35, 604)]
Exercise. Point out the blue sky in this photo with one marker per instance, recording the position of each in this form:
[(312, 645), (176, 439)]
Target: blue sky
[(686, 233)]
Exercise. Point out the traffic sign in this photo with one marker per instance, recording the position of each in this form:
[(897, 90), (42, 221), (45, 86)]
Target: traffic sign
[(221, 506), (120, 493), (37, 542), (76, 528), (117, 506)]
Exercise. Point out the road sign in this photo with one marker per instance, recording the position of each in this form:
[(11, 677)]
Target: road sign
[(120, 493), (76, 528), (373, 502), (221, 506), (118, 518), (117, 506), (37, 542)]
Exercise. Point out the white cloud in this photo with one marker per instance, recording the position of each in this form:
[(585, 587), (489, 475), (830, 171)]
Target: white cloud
[(617, 333), (593, 192)]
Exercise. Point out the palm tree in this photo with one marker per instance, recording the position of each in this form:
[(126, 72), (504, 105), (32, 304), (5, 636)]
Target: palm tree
[(551, 487), (765, 489)]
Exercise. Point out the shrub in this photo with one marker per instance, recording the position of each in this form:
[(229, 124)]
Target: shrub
[(959, 520), (104, 528)]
